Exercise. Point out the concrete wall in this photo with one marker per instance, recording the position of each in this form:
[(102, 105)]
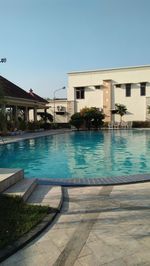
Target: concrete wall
[(63, 110), (60, 105), (136, 104)]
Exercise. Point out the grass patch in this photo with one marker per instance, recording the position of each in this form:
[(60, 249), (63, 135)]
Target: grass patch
[(17, 218)]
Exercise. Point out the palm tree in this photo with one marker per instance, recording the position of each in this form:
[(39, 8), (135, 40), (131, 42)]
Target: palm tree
[(121, 110)]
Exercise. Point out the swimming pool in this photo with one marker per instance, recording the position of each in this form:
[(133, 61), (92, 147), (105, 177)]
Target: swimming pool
[(81, 154)]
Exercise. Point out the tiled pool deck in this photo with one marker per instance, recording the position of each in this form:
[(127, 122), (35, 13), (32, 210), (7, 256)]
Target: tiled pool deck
[(97, 225)]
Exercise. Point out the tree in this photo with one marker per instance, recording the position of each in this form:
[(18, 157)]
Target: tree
[(46, 116), (98, 116), (76, 120), (120, 110), (3, 121), (88, 117), (93, 117)]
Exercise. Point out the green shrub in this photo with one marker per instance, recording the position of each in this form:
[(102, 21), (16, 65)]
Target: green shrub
[(141, 124), (105, 124), (77, 120), (3, 121), (33, 125), (46, 126), (60, 125), (10, 125), (88, 118), (22, 125)]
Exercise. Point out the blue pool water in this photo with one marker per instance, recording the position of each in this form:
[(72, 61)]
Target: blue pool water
[(81, 154)]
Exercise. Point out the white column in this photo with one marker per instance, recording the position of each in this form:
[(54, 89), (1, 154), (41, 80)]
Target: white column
[(35, 114)]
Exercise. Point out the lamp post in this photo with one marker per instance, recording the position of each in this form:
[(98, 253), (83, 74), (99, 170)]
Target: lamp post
[(63, 88), (3, 60)]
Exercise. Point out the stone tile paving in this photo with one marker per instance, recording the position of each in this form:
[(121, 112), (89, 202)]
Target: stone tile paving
[(46, 195), (97, 226)]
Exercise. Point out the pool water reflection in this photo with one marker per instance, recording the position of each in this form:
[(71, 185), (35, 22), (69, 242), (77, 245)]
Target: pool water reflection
[(81, 154)]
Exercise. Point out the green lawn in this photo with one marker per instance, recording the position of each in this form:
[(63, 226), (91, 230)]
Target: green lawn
[(17, 218)]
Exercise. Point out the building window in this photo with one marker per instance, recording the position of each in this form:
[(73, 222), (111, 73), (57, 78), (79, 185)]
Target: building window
[(118, 85), (80, 93), (97, 87), (143, 88), (128, 90)]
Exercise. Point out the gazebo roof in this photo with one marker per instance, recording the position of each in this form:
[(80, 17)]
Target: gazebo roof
[(11, 90), (37, 97)]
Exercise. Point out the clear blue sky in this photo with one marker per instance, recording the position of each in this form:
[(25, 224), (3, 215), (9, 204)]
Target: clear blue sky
[(44, 39)]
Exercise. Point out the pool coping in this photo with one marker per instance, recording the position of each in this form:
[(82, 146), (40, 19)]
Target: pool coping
[(37, 134), (33, 135), (108, 181)]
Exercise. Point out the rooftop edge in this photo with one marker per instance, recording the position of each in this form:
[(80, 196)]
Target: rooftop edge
[(108, 69)]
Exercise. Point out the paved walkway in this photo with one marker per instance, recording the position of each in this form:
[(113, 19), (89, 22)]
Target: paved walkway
[(97, 226)]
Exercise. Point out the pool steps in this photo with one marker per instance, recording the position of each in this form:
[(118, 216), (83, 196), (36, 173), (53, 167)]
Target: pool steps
[(13, 183), (9, 177), (46, 195), (22, 188)]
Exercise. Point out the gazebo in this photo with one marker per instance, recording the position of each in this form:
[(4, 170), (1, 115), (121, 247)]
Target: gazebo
[(16, 100)]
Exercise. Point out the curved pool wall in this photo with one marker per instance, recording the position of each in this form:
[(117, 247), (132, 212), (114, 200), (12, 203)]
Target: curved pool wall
[(96, 154)]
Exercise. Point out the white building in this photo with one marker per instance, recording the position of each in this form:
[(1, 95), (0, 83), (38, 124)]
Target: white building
[(104, 88), (58, 109)]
